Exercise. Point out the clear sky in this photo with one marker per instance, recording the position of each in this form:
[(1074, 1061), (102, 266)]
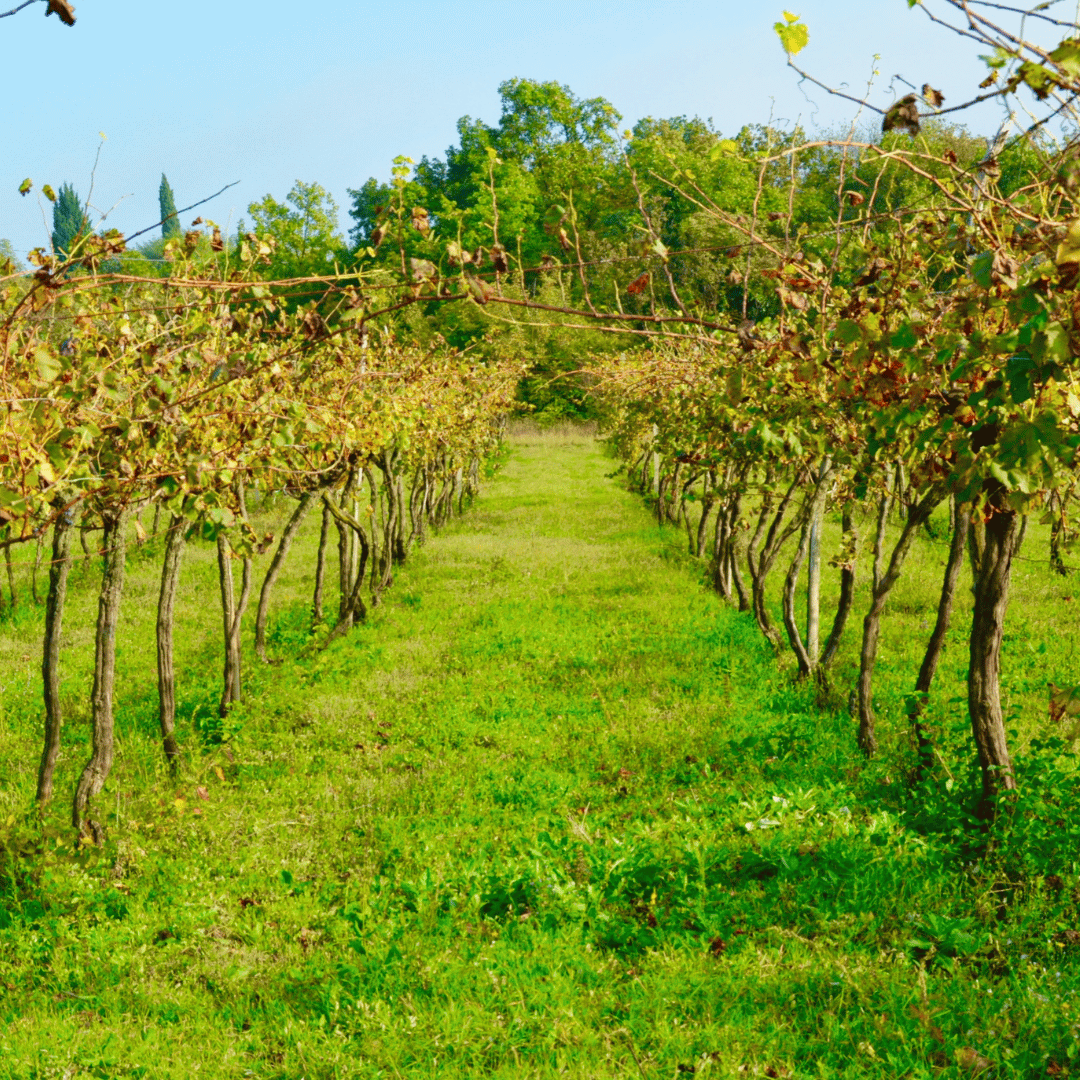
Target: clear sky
[(268, 92)]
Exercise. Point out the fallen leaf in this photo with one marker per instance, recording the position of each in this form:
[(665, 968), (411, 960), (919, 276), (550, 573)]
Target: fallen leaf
[(202, 793), (1064, 701), (971, 1060)]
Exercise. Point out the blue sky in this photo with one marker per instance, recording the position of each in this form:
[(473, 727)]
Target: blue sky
[(212, 91)]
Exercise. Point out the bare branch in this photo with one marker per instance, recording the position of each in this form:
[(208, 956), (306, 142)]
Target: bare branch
[(128, 239), (16, 10), (1029, 13)]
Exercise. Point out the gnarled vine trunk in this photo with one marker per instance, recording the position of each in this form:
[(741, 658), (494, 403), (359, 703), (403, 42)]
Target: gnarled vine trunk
[(918, 513), (320, 568), (97, 769), (232, 615), (806, 653), (847, 592), (761, 563), (987, 628), (961, 522), (50, 661), (355, 609), (288, 534), (170, 578)]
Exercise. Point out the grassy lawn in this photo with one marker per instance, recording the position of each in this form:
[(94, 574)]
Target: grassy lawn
[(555, 810)]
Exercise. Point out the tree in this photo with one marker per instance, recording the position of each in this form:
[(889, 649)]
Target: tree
[(69, 220), (304, 229), (7, 254), (170, 224)]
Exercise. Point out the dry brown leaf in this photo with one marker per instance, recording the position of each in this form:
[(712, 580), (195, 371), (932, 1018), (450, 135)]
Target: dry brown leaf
[(932, 96), (63, 9), (903, 114), (971, 1060)]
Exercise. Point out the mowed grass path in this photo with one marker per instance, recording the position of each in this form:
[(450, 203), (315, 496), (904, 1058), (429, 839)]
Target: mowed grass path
[(554, 811)]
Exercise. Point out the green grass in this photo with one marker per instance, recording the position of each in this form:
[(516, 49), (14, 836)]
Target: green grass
[(554, 811)]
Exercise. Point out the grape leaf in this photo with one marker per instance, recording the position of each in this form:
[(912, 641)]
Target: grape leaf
[(64, 10), (794, 36), (902, 114), (934, 97)]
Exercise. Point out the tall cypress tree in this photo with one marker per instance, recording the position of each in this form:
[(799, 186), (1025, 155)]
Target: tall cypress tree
[(68, 220), (170, 224)]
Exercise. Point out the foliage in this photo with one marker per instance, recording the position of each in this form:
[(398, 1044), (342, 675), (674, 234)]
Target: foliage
[(170, 223), (69, 221), (303, 229)]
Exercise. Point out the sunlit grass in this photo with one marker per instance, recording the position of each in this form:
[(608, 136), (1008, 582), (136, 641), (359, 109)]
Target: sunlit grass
[(554, 811)]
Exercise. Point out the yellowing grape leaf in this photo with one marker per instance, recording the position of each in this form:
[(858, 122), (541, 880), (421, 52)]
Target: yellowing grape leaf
[(48, 367), (794, 36), (934, 97), (1069, 249), (1067, 57)]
